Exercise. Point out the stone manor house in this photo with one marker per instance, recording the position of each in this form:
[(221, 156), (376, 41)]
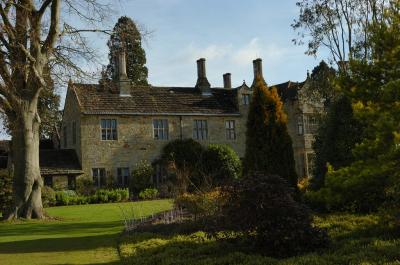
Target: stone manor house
[(112, 127)]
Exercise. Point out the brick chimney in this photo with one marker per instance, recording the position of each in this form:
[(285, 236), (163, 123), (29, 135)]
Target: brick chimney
[(227, 80), (202, 83), (257, 67), (124, 84)]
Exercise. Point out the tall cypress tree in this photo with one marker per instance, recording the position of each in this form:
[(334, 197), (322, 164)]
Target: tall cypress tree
[(126, 35), (268, 144)]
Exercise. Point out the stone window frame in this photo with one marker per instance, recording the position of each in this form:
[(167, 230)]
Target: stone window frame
[(300, 125), (108, 129), (230, 130), (160, 129), (200, 129), (99, 177), (123, 179), (311, 123), (246, 98)]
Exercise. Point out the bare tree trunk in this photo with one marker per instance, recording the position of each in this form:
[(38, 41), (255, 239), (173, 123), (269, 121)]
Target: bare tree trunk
[(27, 179)]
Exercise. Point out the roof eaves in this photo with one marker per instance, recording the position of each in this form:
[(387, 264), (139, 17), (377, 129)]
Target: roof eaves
[(159, 113)]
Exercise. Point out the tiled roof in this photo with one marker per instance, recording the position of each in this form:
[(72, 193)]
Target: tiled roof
[(289, 90), (59, 162), (156, 100)]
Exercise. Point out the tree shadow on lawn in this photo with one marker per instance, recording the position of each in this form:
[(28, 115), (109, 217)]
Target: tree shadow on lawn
[(51, 228), (60, 244)]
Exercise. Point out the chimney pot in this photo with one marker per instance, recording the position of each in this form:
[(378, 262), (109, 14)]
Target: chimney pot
[(227, 80)]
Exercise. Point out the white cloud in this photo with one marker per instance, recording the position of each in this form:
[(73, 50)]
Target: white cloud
[(254, 49), (212, 52)]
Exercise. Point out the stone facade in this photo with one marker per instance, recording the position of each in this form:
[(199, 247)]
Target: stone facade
[(81, 129)]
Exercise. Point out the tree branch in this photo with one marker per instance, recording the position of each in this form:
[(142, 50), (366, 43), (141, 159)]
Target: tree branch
[(43, 8), (7, 24), (53, 31)]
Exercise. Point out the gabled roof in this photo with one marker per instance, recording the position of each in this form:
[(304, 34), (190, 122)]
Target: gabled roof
[(155, 100), (59, 162)]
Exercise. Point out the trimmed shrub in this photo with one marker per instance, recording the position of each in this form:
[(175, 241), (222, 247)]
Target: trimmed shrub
[(48, 196), (148, 194), (220, 164), (141, 177), (115, 195), (69, 197), (61, 198), (262, 208)]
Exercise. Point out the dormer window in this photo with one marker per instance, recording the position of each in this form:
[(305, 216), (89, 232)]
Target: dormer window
[(246, 99)]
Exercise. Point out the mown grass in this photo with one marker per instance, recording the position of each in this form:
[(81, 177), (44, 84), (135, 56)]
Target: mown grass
[(355, 240), (84, 234)]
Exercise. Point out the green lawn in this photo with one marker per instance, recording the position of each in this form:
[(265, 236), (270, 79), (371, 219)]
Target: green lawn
[(91, 234), (84, 234)]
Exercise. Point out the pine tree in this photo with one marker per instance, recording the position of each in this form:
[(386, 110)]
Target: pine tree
[(127, 36), (268, 144)]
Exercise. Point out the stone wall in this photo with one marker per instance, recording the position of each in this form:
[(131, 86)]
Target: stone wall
[(136, 142), (71, 114)]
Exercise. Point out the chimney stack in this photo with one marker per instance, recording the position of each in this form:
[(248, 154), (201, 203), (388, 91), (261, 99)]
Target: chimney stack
[(227, 80), (124, 83), (257, 67), (202, 82)]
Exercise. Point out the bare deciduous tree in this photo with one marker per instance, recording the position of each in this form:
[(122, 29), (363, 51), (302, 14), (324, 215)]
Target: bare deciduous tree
[(34, 34), (339, 25)]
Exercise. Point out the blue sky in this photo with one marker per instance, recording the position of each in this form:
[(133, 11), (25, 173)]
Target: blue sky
[(229, 34)]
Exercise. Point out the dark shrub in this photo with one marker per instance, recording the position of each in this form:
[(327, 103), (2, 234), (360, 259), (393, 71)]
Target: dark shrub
[(6, 195), (48, 196), (182, 158), (85, 186), (141, 177), (261, 206), (220, 164)]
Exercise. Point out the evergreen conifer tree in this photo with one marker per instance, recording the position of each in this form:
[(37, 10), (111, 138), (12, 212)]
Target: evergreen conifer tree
[(127, 36), (337, 135), (268, 144)]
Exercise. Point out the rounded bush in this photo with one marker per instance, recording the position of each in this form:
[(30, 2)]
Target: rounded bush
[(221, 163)]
